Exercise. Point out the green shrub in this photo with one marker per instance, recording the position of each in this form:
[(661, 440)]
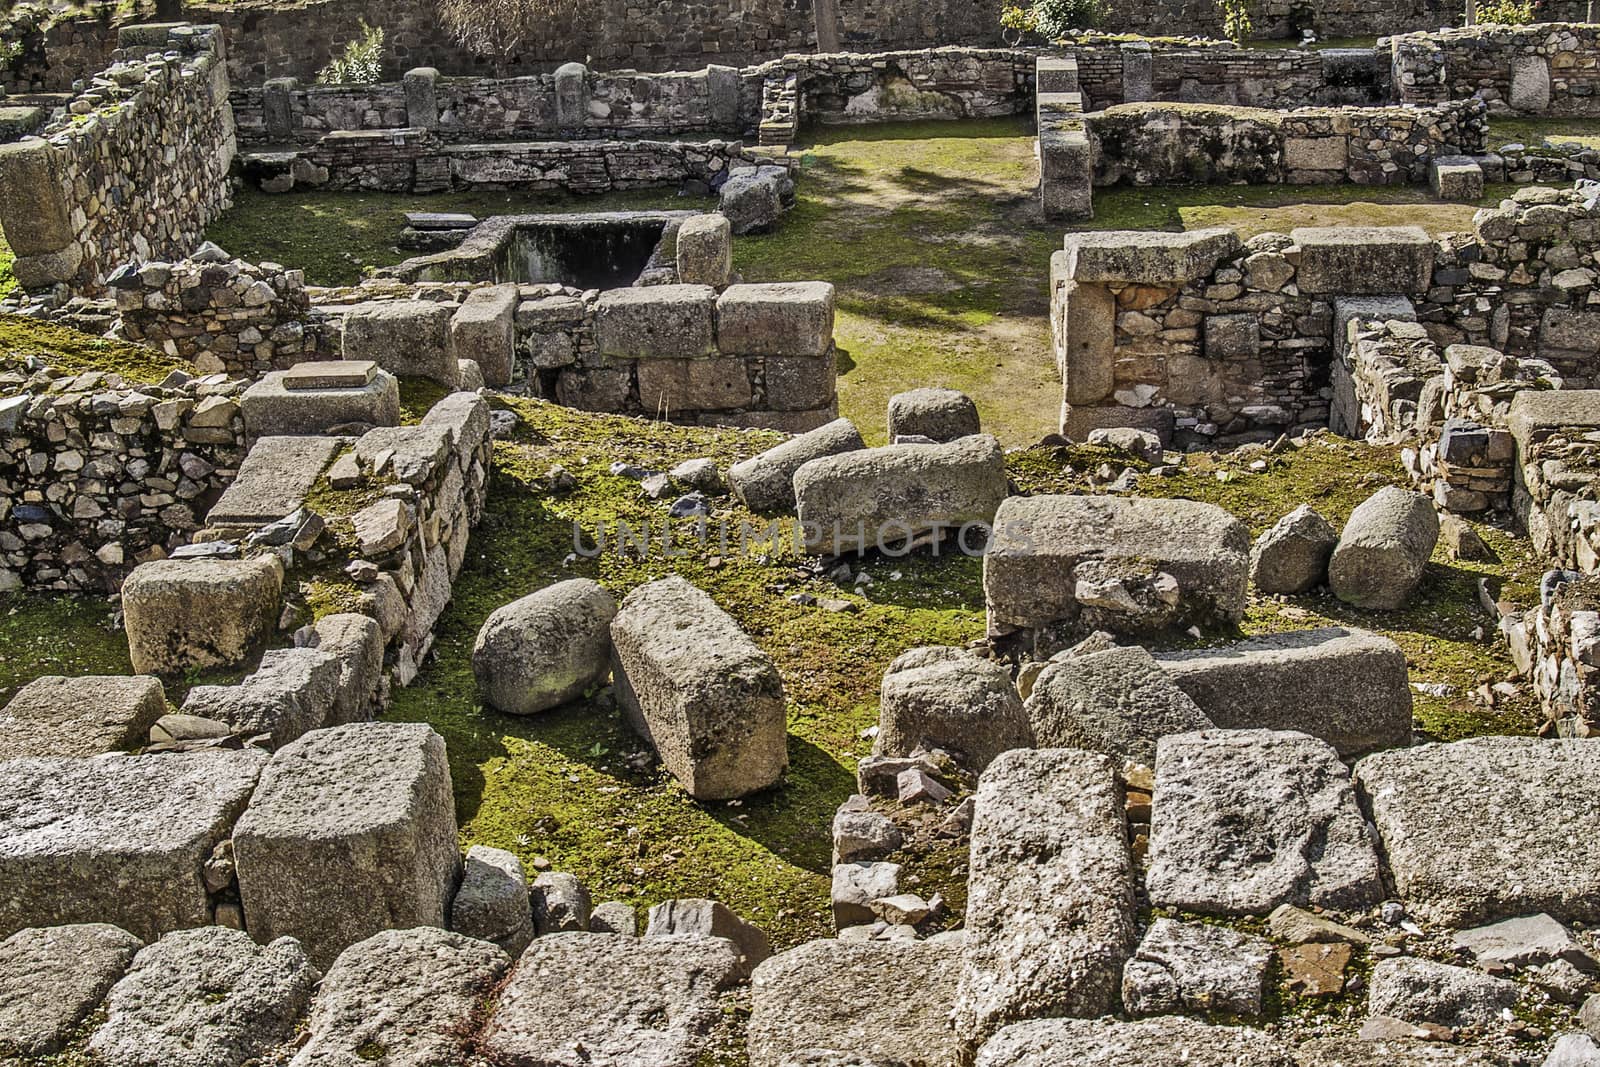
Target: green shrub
[(362, 62), (1236, 24), (1507, 12), (1057, 18)]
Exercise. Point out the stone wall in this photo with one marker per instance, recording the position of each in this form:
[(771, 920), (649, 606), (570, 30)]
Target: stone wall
[(1114, 71), (97, 475), (1547, 68), (241, 318), (1166, 144), (416, 161), (136, 170)]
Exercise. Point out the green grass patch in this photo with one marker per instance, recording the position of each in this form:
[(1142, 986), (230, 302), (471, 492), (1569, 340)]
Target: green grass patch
[(1534, 132), (70, 350), (8, 280)]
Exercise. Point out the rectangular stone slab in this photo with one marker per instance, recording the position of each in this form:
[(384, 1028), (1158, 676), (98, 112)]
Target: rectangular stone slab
[(119, 839), (1364, 260), (440, 220), (273, 480), (80, 717), (330, 374)]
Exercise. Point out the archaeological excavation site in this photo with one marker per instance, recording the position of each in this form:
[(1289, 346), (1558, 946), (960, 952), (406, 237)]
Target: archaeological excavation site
[(799, 533)]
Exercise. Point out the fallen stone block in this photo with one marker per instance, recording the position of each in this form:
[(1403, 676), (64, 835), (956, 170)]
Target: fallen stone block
[(708, 918), (1456, 178), (1364, 261), (879, 998), (356, 641), (53, 978), (695, 686), (407, 997), (705, 251), (273, 480), (1422, 991), (1056, 1042), (1118, 702), (484, 330), (1291, 555), (886, 497), (1489, 828), (292, 693), (776, 319), (117, 839), (1385, 546), (614, 917), (1045, 547), (205, 998), (1245, 820), (1366, 1051), (560, 903), (861, 834), (938, 414), (1147, 257), (766, 482), (950, 699), (1526, 941), (407, 338), (752, 200), (55, 716), (182, 614), (1350, 688), (631, 1001), (351, 831), (656, 322), (857, 886), (493, 903), (1195, 967), (546, 649), (1050, 908), (272, 407)]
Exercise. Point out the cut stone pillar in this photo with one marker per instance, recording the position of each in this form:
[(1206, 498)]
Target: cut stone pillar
[(1138, 72), (34, 215), (277, 106), (723, 89), (572, 95), (422, 98)]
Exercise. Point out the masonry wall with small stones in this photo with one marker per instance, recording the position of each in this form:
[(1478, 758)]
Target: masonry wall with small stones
[(1165, 144), (97, 475), (241, 318), (136, 170), (1551, 69), (1114, 72)]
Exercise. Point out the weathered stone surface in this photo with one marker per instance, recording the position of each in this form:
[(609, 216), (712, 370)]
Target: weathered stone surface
[(1526, 941), (1364, 261), (629, 1001), (55, 716), (881, 497), (199, 612), (1385, 545), (1029, 571), (1195, 967), (884, 999), (951, 699), (698, 689), (407, 338), (940, 414), (1050, 897), (1348, 687), (1119, 702), (545, 649), (861, 834), (356, 641), (1056, 1042), (271, 408), (273, 480), (1301, 927), (656, 322), (352, 830), (1243, 821), (1489, 828), (856, 886), (483, 330), (1399, 1052), (118, 839), (205, 998), (766, 482), (1141, 444), (614, 917), (560, 903), (705, 250), (709, 918), (1456, 178), (668, 387), (776, 319), (292, 693), (1147, 257), (1422, 991), (52, 979), (1291, 555), (406, 997), (492, 903)]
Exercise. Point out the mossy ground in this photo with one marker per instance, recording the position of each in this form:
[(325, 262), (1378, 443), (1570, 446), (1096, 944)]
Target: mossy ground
[(7, 280), (70, 350)]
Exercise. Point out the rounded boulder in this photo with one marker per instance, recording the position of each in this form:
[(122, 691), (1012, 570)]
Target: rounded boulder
[(546, 649), (1381, 554)]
